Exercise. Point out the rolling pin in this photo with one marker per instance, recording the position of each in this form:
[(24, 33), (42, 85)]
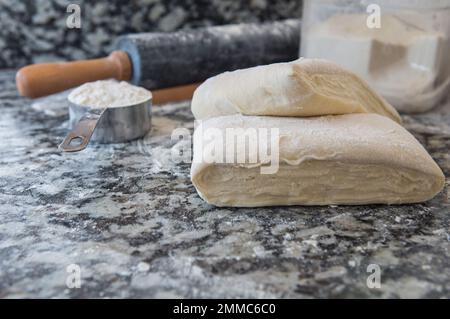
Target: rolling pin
[(170, 64)]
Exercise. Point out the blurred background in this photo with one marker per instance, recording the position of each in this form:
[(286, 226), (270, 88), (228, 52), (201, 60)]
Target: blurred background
[(34, 31)]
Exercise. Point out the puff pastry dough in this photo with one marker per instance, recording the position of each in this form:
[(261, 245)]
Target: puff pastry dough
[(346, 159), (305, 87)]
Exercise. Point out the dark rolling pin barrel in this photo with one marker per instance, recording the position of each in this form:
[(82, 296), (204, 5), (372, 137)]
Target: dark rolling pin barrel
[(169, 59), (171, 64)]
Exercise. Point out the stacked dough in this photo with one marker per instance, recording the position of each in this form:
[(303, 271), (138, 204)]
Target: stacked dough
[(339, 142)]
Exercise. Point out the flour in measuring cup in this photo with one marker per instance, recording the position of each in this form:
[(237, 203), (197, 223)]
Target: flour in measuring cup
[(108, 93)]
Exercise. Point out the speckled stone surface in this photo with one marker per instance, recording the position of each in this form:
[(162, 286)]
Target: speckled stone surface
[(132, 221), (33, 31)]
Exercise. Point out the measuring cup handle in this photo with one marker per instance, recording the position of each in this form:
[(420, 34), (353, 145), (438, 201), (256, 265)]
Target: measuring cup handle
[(78, 139)]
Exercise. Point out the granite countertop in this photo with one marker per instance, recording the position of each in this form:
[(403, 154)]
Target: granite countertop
[(36, 31), (131, 220)]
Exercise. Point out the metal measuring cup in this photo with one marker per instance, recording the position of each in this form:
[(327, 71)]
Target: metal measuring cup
[(106, 125)]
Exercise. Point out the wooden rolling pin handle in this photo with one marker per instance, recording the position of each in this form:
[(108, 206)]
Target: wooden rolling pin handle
[(48, 78), (174, 94)]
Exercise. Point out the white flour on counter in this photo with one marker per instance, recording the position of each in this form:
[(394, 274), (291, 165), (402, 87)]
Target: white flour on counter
[(108, 93)]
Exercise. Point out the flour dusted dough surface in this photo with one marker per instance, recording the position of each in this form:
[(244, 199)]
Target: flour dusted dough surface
[(305, 87), (347, 159)]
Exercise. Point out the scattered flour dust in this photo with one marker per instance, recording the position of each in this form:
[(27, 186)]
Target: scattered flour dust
[(108, 93)]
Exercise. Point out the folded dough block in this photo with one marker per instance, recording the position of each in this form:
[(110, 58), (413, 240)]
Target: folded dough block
[(346, 159), (305, 87)]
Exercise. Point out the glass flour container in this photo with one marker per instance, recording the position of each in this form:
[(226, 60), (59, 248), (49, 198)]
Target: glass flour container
[(400, 47)]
